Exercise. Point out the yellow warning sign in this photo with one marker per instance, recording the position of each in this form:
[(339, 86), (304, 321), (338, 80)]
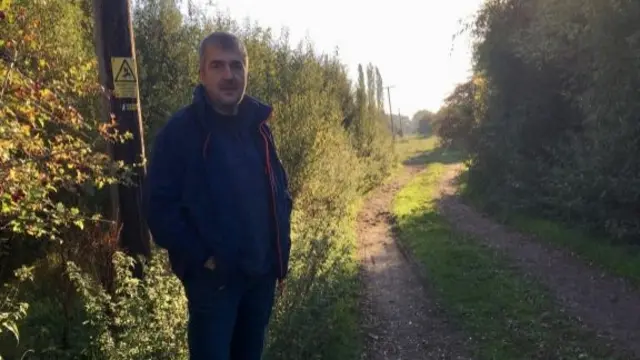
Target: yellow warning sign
[(130, 107), (124, 77)]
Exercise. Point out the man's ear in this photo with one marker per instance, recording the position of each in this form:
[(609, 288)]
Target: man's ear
[(200, 73)]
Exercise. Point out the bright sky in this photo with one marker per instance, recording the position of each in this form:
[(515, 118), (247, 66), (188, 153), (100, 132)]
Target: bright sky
[(409, 40)]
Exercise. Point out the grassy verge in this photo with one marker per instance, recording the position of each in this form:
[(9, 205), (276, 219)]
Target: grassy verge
[(319, 317), (617, 259), (509, 316), (414, 146)]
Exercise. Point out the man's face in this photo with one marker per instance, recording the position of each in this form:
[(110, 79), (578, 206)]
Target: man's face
[(224, 75)]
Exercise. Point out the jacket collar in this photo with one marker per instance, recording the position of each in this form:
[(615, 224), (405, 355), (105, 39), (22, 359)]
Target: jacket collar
[(257, 111)]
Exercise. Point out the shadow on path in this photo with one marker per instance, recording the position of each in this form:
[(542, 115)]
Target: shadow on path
[(440, 154)]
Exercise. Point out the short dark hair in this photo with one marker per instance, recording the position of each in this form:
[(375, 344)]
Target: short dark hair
[(225, 41)]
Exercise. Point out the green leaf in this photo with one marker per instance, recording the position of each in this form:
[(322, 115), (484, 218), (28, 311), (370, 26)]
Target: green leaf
[(13, 328), (79, 223)]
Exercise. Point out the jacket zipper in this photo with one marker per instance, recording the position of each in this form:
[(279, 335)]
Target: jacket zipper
[(269, 172)]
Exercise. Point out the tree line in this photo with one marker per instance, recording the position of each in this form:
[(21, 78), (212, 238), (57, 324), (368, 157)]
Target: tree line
[(550, 117), (68, 291)]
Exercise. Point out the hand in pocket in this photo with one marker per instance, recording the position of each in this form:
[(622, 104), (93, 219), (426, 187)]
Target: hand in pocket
[(210, 263)]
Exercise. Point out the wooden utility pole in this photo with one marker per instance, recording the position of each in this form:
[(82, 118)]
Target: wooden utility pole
[(115, 48), (393, 130)]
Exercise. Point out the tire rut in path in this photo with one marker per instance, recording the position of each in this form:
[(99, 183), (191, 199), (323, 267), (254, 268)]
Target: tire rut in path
[(401, 320), (604, 304)]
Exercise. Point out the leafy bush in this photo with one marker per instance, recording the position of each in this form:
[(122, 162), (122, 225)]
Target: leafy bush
[(85, 301), (142, 319), (556, 130)]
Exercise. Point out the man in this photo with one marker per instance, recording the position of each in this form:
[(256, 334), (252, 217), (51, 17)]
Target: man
[(217, 199)]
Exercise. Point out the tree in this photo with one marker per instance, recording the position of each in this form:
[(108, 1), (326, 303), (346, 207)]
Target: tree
[(424, 120), (371, 87), (379, 90), (51, 158), (554, 128), (166, 56), (361, 90)]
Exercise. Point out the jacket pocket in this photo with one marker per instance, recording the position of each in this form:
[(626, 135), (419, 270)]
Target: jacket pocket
[(202, 286)]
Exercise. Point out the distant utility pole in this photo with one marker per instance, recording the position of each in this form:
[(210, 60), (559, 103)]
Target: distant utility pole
[(115, 48), (393, 130)]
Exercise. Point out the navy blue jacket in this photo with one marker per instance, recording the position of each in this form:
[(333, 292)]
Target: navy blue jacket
[(217, 188)]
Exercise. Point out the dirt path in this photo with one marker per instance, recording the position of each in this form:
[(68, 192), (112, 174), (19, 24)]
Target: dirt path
[(401, 320), (603, 303)]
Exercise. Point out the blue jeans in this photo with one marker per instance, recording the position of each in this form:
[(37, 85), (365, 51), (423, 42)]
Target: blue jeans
[(228, 323)]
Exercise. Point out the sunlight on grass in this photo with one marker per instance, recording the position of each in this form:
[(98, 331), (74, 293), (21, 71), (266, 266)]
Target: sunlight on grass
[(409, 147)]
